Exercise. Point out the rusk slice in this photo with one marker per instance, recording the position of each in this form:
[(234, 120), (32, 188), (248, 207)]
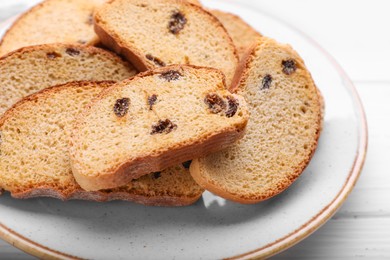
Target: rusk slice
[(195, 2), (156, 33), (34, 68), (53, 21), (282, 131), (35, 161), (243, 35), (153, 121)]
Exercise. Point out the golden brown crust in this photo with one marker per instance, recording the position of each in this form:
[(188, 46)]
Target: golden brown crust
[(10, 112), (114, 43), (73, 190), (18, 20), (102, 196), (230, 22), (54, 46), (156, 161), (239, 85), (26, 14)]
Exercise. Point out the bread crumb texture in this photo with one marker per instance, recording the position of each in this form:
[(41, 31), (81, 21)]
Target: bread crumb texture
[(156, 33), (34, 68), (152, 121), (34, 156), (282, 132), (53, 21)]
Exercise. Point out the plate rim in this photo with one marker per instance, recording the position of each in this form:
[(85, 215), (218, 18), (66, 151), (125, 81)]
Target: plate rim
[(281, 244)]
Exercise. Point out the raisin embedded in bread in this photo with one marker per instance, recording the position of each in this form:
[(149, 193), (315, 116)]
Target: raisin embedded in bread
[(157, 33), (53, 21), (282, 131), (34, 153), (243, 35), (154, 120), (34, 68)]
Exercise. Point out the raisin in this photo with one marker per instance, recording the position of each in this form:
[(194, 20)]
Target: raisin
[(163, 126), (155, 60), (53, 55), (266, 83), (289, 66), (72, 52), (187, 164), (121, 107), (216, 103), (170, 75), (177, 22), (233, 106), (90, 19), (156, 175), (152, 100)]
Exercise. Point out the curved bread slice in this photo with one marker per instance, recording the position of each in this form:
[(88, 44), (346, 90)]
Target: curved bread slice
[(35, 161), (152, 121), (53, 21), (156, 33), (282, 132), (31, 69), (195, 2), (243, 35)]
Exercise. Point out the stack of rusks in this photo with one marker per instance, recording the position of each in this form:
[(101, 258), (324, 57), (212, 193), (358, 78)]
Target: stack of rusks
[(150, 101)]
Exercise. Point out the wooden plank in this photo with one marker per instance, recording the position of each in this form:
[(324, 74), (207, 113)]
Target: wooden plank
[(345, 239)]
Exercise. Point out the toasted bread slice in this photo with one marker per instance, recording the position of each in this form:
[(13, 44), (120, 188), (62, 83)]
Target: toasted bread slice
[(156, 33), (53, 21), (195, 2), (282, 132), (153, 121), (34, 68), (243, 35), (35, 161)]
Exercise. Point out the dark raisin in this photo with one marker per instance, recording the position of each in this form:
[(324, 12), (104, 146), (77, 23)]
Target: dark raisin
[(170, 75), (121, 107), (152, 100), (187, 164), (163, 126), (216, 103), (90, 19), (177, 22), (289, 66), (156, 175), (53, 55), (266, 83), (72, 52), (155, 60), (233, 106)]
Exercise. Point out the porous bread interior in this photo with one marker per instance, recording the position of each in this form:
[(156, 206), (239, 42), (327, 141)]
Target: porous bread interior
[(34, 138), (242, 34), (102, 142), (142, 26), (174, 182), (53, 21), (30, 69), (281, 135), (195, 2), (34, 150)]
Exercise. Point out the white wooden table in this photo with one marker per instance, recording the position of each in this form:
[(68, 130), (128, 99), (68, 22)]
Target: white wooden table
[(357, 34)]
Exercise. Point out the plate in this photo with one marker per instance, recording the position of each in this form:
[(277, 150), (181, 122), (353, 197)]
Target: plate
[(213, 227)]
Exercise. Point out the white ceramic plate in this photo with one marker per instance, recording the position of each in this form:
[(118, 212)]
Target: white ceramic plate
[(212, 228)]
